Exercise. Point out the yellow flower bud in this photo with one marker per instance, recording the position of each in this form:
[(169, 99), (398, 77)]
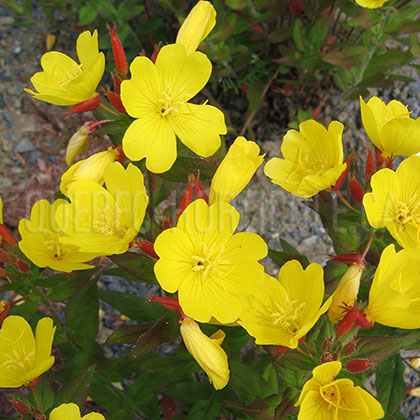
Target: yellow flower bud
[(207, 352), (78, 143), (235, 170), (197, 25), (371, 4), (346, 292), (91, 168), (72, 412), (24, 357)]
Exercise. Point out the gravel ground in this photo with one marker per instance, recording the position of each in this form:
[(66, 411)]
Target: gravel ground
[(33, 136)]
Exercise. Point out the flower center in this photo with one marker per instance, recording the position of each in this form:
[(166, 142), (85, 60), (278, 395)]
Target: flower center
[(331, 394), (56, 249), (17, 359), (288, 315), (67, 77), (170, 102), (316, 165), (208, 261), (408, 213)]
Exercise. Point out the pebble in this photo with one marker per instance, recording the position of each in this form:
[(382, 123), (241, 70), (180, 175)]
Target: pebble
[(24, 145), (17, 49), (8, 118), (34, 156)]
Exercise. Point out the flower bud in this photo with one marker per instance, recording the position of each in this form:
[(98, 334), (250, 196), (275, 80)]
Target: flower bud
[(199, 190), (89, 105), (327, 357), (118, 51), (348, 349), (117, 83), (168, 407), (343, 175), (23, 266), (370, 167), (328, 343), (207, 351), (356, 190), (346, 292), (78, 143), (168, 302), (115, 101), (358, 365), (7, 236), (186, 199), (345, 325), (197, 25), (148, 248), (362, 321), (20, 407)]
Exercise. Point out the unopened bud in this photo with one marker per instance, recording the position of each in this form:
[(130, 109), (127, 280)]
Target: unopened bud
[(117, 83), (379, 158), (343, 175), (186, 199), (166, 223), (348, 349), (115, 101), (358, 365), (168, 302), (20, 407), (118, 51), (23, 266), (199, 190), (362, 321), (2, 272), (155, 53), (327, 357), (89, 105), (356, 190), (327, 344), (346, 324), (7, 236), (370, 167), (148, 248)]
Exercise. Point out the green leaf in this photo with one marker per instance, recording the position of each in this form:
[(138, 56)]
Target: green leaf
[(390, 384), (128, 334), (135, 307), (379, 347), (405, 26), (280, 258), (208, 410), (62, 286), (45, 393), (258, 409), (297, 35), (139, 266), (163, 330), (82, 313), (349, 56), (87, 14), (76, 389), (184, 166)]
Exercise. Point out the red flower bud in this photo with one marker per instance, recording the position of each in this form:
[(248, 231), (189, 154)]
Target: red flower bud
[(89, 105), (346, 324), (348, 349), (115, 101), (34, 382), (168, 407), (199, 190), (3, 256), (148, 248), (328, 343), (117, 83), (279, 350), (7, 236), (327, 357), (2, 272), (20, 407), (356, 190), (155, 53), (118, 51), (359, 365), (362, 321), (370, 167), (379, 158), (168, 302), (23, 266), (186, 198)]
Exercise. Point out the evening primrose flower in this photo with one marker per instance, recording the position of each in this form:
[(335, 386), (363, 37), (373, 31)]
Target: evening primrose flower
[(346, 292), (91, 168), (41, 240), (209, 266), (157, 96), (394, 202), (313, 159), (371, 4), (197, 25), (207, 351), (65, 82), (104, 221), (394, 295), (325, 398), (72, 412), (235, 170), (282, 311), (390, 127), (24, 357)]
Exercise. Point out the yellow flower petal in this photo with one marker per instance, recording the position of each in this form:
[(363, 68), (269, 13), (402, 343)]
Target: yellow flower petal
[(72, 412)]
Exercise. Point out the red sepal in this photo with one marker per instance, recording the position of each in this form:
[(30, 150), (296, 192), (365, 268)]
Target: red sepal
[(89, 105), (346, 324), (117, 83), (155, 53), (115, 101), (148, 248), (186, 198), (359, 365), (370, 167), (356, 190), (34, 382), (168, 302), (7, 236), (199, 190), (343, 175)]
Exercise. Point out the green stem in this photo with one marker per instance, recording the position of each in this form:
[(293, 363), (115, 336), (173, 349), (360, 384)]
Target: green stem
[(36, 398), (345, 202), (107, 109)]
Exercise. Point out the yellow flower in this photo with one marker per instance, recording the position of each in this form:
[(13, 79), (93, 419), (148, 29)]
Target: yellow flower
[(104, 221), (394, 202), (371, 4), (207, 351), (157, 96), (24, 357), (209, 265), (281, 312), (313, 159), (235, 170), (325, 398), (63, 81), (72, 412), (41, 240), (91, 168), (346, 292), (394, 298), (197, 25), (390, 127)]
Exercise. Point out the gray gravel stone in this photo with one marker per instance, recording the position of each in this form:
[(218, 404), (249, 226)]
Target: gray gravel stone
[(24, 145)]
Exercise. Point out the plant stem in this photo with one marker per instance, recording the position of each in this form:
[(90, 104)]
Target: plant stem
[(35, 394), (107, 109), (345, 202), (308, 348)]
